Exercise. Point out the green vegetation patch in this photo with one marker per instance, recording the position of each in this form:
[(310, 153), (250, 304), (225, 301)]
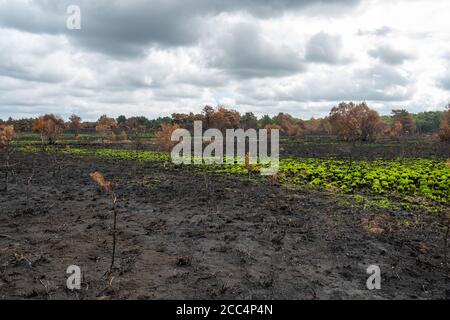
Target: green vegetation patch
[(427, 178), (403, 178)]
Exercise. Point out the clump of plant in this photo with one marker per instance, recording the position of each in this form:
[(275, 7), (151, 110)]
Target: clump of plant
[(122, 136), (109, 187), (164, 135), (105, 128), (49, 128), (250, 166), (75, 125), (355, 122), (444, 133), (7, 138), (136, 129)]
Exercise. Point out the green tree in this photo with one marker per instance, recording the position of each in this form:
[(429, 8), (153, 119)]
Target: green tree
[(121, 121), (428, 122), (265, 120), (249, 121)]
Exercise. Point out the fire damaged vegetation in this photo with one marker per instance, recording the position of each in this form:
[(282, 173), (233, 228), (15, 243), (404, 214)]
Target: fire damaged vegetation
[(353, 189), (49, 128), (240, 238), (407, 179), (444, 133), (7, 138), (109, 187)]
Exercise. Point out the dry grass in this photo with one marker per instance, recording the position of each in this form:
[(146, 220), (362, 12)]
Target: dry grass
[(7, 135), (101, 181)]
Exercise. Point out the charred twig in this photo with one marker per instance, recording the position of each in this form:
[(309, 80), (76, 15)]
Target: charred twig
[(445, 253), (109, 187), (205, 177), (29, 182), (7, 237), (57, 168), (46, 287), (113, 255)]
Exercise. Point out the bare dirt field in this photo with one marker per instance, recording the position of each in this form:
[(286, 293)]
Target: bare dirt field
[(188, 235)]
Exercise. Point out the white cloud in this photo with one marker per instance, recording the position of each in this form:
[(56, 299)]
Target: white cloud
[(292, 56)]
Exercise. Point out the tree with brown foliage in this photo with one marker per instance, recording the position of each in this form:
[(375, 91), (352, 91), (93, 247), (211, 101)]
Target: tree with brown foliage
[(406, 120), (223, 119), (291, 126), (325, 126), (75, 125), (271, 127), (105, 128), (164, 136), (122, 136), (7, 137), (49, 127), (220, 118), (355, 122), (312, 125), (133, 126), (444, 132), (186, 121), (395, 130)]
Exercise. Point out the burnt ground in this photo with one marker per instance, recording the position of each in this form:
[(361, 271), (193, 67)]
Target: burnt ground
[(390, 149), (186, 235)]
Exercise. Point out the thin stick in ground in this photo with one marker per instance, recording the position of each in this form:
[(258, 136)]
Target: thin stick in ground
[(109, 186)]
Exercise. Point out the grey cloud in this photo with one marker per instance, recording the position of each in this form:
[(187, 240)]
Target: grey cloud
[(380, 32), (325, 48), (163, 56), (378, 83), (127, 28), (29, 68), (444, 82), (20, 72), (390, 55), (244, 53), (270, 8)]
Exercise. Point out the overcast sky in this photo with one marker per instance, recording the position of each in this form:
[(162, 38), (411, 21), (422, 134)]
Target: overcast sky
[(156, 57)]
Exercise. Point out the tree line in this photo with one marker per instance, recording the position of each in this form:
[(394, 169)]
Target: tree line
[(348, 121)]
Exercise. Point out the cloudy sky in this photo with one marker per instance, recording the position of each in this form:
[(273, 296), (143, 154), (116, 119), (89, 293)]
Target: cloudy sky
[(156, 57)]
